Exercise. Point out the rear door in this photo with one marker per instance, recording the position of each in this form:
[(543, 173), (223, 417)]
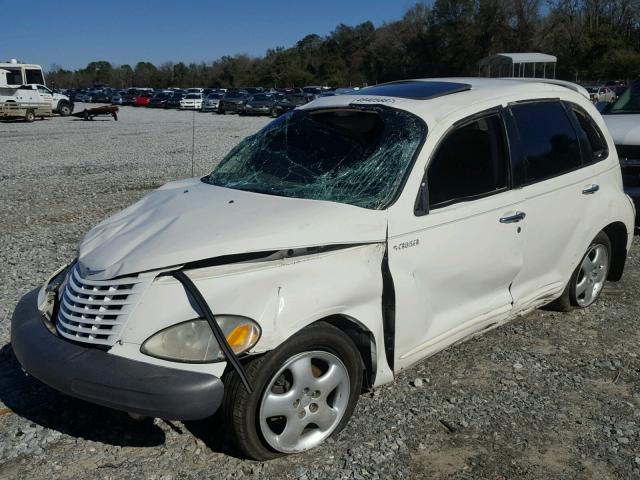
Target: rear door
[(557, 185), (452, 267)]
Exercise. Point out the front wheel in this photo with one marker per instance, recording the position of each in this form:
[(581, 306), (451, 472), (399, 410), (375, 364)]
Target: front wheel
[(303, 392), (29, 116), (64, 110)]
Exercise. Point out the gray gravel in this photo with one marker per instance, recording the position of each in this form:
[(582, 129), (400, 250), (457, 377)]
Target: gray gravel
[(547, 396)]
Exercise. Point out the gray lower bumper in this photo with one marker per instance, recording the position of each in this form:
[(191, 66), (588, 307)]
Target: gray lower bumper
[(99, 377)]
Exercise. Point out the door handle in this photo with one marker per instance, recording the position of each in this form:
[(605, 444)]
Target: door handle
[(590, 189), (516, 217)]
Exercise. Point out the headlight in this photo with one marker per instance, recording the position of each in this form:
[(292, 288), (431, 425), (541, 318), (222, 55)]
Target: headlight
[(193, 341)]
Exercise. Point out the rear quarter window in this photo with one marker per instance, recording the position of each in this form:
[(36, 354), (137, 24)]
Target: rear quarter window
[(594, 144)]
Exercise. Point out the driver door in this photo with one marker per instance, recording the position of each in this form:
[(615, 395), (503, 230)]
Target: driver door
[(452, 267)]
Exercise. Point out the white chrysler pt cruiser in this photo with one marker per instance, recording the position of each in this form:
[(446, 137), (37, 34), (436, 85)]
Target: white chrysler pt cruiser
[(342, 243)]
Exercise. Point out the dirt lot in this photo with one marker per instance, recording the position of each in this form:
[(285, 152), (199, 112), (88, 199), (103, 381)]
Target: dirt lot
[(549, 396)]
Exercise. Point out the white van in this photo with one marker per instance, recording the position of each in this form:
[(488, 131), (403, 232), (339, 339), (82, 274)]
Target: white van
[(344, 242)]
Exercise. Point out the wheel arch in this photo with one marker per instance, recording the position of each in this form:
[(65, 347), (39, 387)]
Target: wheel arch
[(364, 340), (618, 235)]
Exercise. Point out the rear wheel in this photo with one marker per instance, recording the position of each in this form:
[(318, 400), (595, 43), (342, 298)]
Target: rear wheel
[(304, 392), (588, 280), (29, 116)]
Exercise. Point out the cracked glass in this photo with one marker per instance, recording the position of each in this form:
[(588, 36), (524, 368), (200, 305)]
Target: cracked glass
[(359, 156)]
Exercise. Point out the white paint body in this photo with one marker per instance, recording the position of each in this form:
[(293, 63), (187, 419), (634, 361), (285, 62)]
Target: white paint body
[(466, 272), (191, 103), (624, 128)]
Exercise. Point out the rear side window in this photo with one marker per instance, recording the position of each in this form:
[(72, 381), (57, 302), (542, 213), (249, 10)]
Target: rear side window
[(593, 141), (470, 162), (14, 76), (548, 143)]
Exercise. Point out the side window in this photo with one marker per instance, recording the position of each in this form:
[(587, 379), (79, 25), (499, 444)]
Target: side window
[(470, 162), (593, 140), (548, 144), (34, 76), (14, 76)]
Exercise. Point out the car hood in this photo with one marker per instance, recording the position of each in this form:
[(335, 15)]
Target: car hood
[(190, 220), (624, 128), (260, 103)]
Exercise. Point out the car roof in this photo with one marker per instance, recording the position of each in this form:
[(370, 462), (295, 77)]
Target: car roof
[(435, 98)]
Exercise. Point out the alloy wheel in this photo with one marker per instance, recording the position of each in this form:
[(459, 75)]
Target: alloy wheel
[(592, 275), (304, 401)]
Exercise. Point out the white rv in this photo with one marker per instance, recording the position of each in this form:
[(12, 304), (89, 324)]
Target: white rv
[(16, 78), (24, 101), (21, 73)]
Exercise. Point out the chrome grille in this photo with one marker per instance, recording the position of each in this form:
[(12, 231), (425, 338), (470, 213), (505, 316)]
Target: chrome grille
[(95, 311)]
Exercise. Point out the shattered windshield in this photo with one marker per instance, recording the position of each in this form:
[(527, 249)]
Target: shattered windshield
[(358, 156)]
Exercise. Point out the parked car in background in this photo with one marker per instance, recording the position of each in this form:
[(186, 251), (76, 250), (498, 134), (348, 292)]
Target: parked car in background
[(339, 91), (142, 99), (159, 100), (387, 247), (76, 95), (129, 97), (101, 96), (212, 102), (233, 101), (260, 104), (174, 100), (116, 98), (623, 121), (288, 103), (82, 96), (195, 90), (601, 94), (191, 101), (252, 90)]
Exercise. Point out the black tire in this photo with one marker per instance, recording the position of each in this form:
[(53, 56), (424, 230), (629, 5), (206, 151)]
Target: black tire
[(64, 109), (562, 303), (29, 116), (240, 408), (568, 300)]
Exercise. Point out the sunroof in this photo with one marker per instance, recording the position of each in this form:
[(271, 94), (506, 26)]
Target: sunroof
[(414, 89)]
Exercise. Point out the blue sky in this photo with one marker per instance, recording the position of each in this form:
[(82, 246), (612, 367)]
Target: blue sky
[(71, 33)]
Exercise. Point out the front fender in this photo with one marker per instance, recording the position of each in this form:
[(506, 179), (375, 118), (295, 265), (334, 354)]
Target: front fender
[(283, 295)]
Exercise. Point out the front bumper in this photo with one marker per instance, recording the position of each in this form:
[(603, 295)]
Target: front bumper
[(232, 107), (106, 379), (257, 111)]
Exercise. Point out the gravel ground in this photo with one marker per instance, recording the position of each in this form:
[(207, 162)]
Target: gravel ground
[(547, 396)]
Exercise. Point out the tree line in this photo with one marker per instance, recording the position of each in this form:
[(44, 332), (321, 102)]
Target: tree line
[(593, 40)]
